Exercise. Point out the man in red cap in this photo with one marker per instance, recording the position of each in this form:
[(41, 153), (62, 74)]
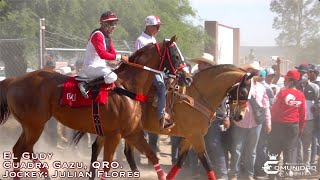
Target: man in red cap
[(288, 115), (99, 50)]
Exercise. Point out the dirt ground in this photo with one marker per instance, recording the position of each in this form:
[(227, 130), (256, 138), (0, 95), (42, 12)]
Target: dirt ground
[(10, 132)]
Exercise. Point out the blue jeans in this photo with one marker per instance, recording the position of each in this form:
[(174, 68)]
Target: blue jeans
[(175, 142), (244, 145), (262, 154), (315, 139), (215, 150), (305, 141), (158, 81)]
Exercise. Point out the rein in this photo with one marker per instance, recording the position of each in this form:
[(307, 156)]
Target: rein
[(162, 57)]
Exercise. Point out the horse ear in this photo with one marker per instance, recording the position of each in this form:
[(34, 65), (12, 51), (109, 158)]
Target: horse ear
[(173, 39)]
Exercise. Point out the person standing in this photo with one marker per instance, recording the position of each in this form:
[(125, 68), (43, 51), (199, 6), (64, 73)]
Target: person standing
[(288, 119), (313, 75), (99, 50), (311, 93), (245, 133)]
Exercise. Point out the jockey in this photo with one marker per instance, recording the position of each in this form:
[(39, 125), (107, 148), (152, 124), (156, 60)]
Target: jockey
[(146, 37), (100, 49)]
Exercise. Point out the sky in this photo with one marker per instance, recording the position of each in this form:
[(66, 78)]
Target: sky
[(253, 17)]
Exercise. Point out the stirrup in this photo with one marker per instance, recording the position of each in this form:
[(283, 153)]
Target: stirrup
[(165, 125), (83, 90)]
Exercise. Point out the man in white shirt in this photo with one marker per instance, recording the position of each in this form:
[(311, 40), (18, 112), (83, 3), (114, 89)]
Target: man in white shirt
[(148, 36)]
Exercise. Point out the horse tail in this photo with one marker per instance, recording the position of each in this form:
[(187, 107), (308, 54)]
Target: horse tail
[(4, 110), (77, 135)]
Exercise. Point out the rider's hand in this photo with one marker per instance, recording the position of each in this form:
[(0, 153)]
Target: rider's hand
[(124, 58)]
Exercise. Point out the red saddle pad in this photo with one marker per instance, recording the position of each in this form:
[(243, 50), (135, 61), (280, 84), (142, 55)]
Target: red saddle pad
[(72, 96)]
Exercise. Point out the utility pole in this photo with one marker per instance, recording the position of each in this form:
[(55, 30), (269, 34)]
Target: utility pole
[(42, 43)]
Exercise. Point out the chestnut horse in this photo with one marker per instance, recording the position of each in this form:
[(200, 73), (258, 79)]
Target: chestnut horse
[(209, 88), (33, 98)]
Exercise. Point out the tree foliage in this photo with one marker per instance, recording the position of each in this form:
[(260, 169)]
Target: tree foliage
[(69, 22), (298, 22)]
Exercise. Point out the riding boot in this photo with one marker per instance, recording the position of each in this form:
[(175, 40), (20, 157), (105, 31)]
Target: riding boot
[(85, 86)]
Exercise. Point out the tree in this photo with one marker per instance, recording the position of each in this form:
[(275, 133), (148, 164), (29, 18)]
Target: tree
[(69, 22), (298, 22)]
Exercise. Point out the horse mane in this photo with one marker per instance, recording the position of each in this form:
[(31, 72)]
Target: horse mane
[(134, 57), (221, 68)]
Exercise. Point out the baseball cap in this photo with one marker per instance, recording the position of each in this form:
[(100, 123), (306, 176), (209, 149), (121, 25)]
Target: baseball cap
[(313, 68), (263, 73), (293, 74), (270, 71), (152, 21), (304, 68)]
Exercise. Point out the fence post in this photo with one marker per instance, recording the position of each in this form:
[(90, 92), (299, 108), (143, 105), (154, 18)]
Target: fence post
[(42, 42)]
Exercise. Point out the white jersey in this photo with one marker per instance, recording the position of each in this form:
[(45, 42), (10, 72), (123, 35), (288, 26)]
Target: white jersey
[(143, 40)]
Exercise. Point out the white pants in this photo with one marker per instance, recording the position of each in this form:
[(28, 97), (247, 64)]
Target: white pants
[(94, 72)]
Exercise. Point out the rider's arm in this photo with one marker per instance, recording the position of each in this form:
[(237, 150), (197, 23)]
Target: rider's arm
[(97, 40)]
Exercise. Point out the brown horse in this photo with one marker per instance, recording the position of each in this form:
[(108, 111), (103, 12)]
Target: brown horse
[(209, 88), (33, 98)]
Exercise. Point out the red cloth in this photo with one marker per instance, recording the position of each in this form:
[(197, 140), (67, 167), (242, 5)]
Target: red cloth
[(72, 96), (289, 107)]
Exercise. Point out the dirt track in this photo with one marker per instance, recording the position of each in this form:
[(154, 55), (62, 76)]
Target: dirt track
[(10, 132)]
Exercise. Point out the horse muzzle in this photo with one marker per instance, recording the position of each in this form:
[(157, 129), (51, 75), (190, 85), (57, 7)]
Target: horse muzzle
[(184, 79)]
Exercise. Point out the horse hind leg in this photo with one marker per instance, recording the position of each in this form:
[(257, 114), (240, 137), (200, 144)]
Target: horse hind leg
[(128, 151), (111, 142), (95, 151), (25, 144), (142, 145)]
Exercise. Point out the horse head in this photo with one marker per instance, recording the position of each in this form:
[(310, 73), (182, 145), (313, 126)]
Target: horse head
[(165, 57), (238, 97), (175, 63)]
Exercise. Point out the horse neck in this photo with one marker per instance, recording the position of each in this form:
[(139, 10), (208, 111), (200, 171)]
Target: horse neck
[(138, 80), (212, 87)]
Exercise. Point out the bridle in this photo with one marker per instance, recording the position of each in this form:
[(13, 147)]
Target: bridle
[(166, 53)]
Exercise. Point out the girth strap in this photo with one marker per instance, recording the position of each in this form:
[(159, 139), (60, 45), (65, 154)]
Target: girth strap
[(95, 111), (138, 97)]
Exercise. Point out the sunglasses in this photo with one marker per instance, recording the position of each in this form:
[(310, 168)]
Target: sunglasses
[(113, 23), (157, 27)]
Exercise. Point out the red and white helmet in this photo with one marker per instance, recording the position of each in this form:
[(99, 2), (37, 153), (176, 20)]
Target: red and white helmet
[(108, 16), (152, 21)]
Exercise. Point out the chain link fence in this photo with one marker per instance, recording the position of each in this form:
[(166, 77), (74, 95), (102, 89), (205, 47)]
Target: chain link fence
[(18, 56)]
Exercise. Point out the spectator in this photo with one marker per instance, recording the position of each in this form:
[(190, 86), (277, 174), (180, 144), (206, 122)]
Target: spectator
[(311, 93), (245, 133), (313, 75), (288, 119), (262, 155)]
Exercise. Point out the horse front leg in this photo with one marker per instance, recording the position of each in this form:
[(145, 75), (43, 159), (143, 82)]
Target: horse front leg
[(198, 144), (138, 141), (184, 149), (128, 151), (111, 141), (95, 151)]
